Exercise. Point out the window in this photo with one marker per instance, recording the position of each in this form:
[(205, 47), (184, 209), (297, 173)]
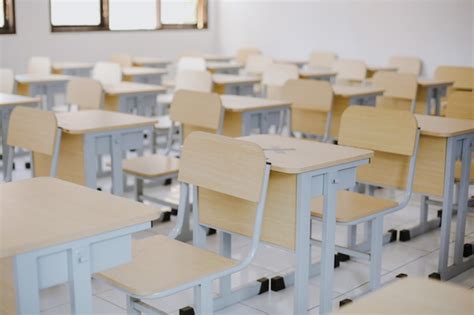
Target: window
[(7, 16), (127, 15)]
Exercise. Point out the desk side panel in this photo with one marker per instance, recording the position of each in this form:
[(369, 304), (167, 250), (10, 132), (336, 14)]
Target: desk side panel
[(112, 103), (7, 287), (232, 124)]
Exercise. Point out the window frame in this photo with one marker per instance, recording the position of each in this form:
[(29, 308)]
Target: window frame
[(9, 15), (202, 22)]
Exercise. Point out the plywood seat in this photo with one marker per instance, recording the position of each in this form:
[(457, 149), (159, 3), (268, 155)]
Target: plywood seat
[(160, 264), (353, 206), (151, 166)]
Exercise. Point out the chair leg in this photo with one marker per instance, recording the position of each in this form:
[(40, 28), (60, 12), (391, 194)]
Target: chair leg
[(206, 303), (131, 310), (376, 244)]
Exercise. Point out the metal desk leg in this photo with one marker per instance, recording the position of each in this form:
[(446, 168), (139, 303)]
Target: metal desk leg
[(429, 97), (437, 100), (49, 91), (26, 284), (90, 161), (80, 280), (5, 116), (225, 249), (116, 155)]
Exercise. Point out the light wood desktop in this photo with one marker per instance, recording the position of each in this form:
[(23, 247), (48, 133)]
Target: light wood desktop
[(372, 69), (318, 74), (37, 84), (154, 62), (234, 84)]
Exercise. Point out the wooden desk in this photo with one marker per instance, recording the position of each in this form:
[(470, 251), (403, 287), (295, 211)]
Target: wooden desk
[(7, 103), (300, 63), (151, 62), (81, 69), (234, 84), (372, 69), (92, 133), (128, 97), (224, 67), (61, 233), (318, 74), (301, 170), (414, 296), (217, 58), (429, 91), (245, 114), (143, 75), (48, 85)]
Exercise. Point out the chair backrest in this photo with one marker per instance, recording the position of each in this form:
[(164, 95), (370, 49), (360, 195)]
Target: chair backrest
[(392, 134), (194, 80), (7, 81), (124, 60), (350, 70), (39, 65), (191, 63), (399, 89), (275, 76), (460, 105), (463, 77), (256, 64), (107, 72), (322, 59), (244, 53), (197, 111), (228, 169), (404, 64), (85, 93), (309, 98)]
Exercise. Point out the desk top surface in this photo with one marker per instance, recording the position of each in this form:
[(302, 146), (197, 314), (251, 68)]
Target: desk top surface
[(125, 87), (229, 79), (236, 103), (217, 57), (72, 65), (135, 71), (40, 78), (13, 99), (414, 296), (88, 121), (151, 61), (307, 73), (353, 90), (434, 82), (381, 68), (213, 65), (294, 156), (443, 126), (56, 212)]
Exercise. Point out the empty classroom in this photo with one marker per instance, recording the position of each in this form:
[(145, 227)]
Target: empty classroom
[(279, 157)]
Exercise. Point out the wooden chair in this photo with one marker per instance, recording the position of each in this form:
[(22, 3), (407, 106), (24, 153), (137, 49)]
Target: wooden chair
[(39, 65), (350, 71), (107, 72), (322, 60), (7, 81), (124, 60), (194, 111), (463, 77), (274, 78), (84, 93), (399, 90), (191, 63), (309, 98), (161, 266), (393, 135), (34, 130), (256, 64), (409, 65), (243, 53)]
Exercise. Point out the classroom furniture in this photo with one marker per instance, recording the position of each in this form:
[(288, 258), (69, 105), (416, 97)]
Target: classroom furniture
[(300, 63), (217, 58), (430, 92), (406, 64), (84, 93), (107, 72), (317, 74), (414, 296), (256, 64), (234, 84), (460, 104), (399, 90), (393, 135), (371, 70), (36, 131), (92, 133), (463, 77), (143, 75), (321, 60), (443, 141), (152, 62), (153, 275), (350, 72), (274, 78), (61, 233), (191, 63), (224, 67), (243, 53), (39, 65), (124, 60), (307, 96), (42, 85), (80, 69), (7, 81)]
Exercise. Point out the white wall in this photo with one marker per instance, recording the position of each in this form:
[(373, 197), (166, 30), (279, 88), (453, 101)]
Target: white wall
[(437, 31), (34, 37)]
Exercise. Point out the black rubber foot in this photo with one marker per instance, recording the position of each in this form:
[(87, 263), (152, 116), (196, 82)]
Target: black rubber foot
[(174, 211), (13, 166), (434, 276), (264, 285), (99, 188), (470, 202), (344, 302), (166, 216), (335, 142), (468, 248), (188, 310), (133, 150), (28, 165), (404, 236), (439, 213), (211, 231), (343, 257), (336, 261), (168, 182), (145, 136), (401, 275), (393, 235), (278, 283)]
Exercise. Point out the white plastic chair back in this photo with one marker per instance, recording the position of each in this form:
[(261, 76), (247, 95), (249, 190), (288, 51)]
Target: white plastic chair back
[(107, 72), (191, 63), (7, 81), (256, 64), (39, 65), (200, 81), (277, 74), (124, 60)]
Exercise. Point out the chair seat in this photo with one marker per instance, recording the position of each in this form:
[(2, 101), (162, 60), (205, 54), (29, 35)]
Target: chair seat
[(164, 99), (352, 206), (151, 166), (159, 264)]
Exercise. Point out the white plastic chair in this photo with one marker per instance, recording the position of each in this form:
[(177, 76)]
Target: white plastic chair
[(322, 60), (191, 63), (107, 72), (243, 54), (124, 60), (39, 65), (274, 78), (7, 81), (256, 64)]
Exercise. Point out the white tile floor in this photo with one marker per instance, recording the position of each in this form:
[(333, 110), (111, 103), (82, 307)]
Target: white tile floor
[(417, 257)]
